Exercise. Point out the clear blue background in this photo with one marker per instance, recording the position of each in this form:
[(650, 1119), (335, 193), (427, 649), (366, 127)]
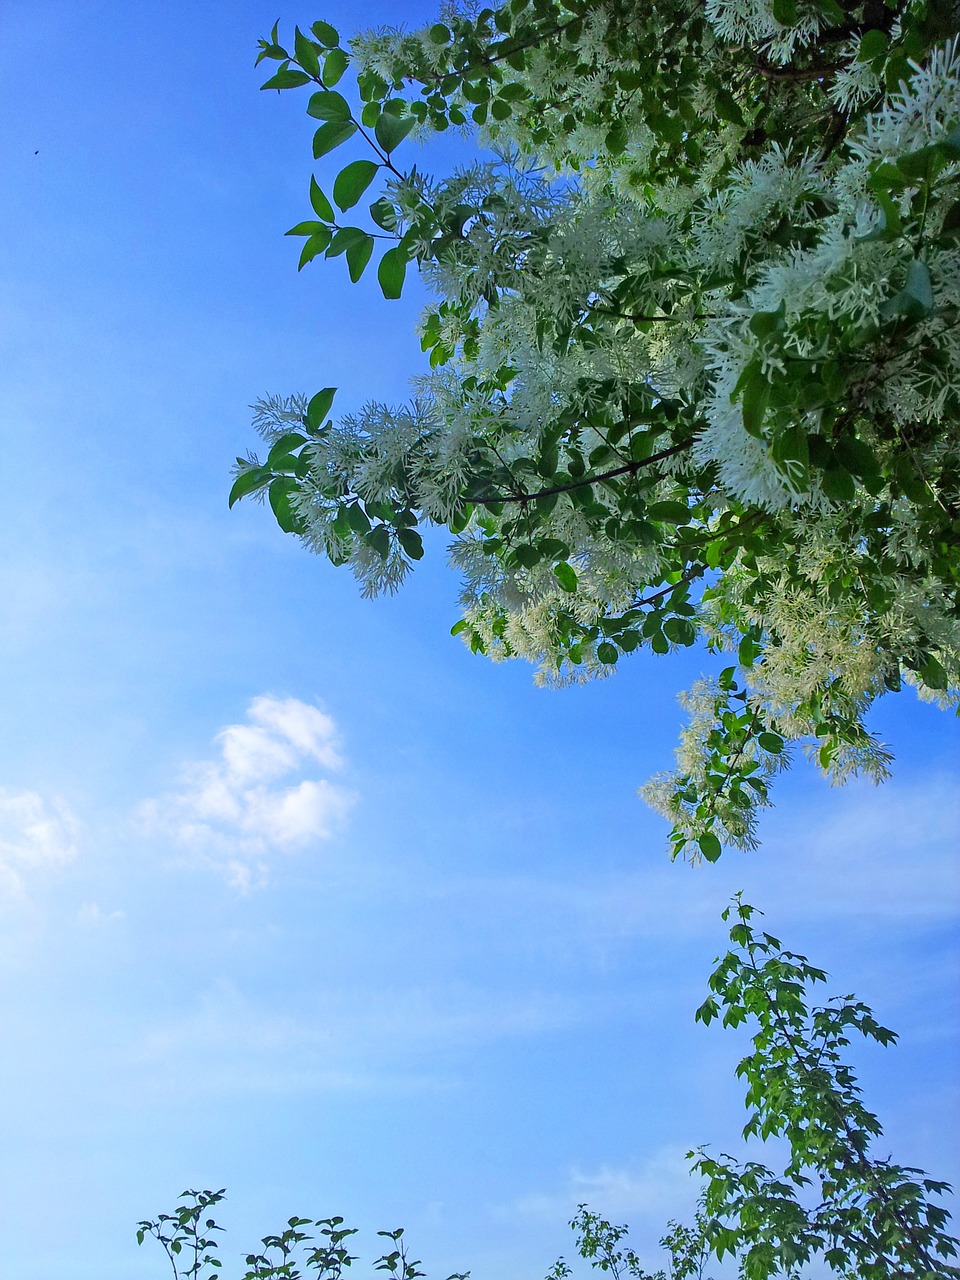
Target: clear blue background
[(470, 1007)]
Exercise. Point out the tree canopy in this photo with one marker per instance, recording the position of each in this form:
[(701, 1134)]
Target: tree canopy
[(694, 357)]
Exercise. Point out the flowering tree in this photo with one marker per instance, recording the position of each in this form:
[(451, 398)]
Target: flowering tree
[(694, 375), (695, 368)]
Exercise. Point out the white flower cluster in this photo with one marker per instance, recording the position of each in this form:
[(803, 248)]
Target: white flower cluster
[(752, 23), (921, 112), (678, 795)]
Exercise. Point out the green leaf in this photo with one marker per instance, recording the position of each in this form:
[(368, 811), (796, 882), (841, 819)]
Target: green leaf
[(390, 130), (950, 145), (727, 106), (358, 255), (307, 229), (285, 445), (357, 518), (411, 542), (566, 575), (756, 397), (439, 34), (922, 165), (616, 139), (352, 182), (857, 456), (891, 225), (306, 52), (326, 34), (766, 323), (748, 651), (315, 245), (460, 519), (919, 286), (285, 464), (933, 674), (951, 221), (345, 239), (321, 205), (669, 512), (608, 653), (273, 51), (379, 539), (328, 106), (771, 742), (873, 44), (884, 176), (247, 481), (331, 135), (915, 299), (680, 631), (711, 849), (384, 214), (791, 453), (707, 1011), (334, 65), (391, 272), (527, 555), (286, 79), (319, 407), (279, 494)]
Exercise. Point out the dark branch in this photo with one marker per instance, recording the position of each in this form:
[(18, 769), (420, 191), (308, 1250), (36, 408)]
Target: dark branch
[(640, 319), (505, 49), (694, 572), (794, 75), (629, 468)]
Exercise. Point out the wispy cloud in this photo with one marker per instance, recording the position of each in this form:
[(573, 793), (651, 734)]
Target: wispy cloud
[(884, 853), (660, 1186), (867, 855), (248, 802), (341, 1038), (93, 916), (35, 832)]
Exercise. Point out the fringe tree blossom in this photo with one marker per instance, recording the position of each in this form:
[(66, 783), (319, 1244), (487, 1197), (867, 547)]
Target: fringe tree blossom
[(694, 364)]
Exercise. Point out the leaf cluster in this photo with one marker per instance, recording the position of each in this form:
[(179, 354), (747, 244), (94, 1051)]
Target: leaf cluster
[(293, 1254)]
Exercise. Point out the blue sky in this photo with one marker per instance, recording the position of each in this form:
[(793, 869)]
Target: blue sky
[(296, 896)]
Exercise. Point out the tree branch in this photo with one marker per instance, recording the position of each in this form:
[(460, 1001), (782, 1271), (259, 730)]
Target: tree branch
[(696, 571), (519, 47), (629, 468), (795, 75), (858, 1161), (640, 319)]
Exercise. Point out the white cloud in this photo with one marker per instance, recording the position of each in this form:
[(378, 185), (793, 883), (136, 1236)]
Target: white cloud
[(885, 853), (92, 915), (34, 833), (340, 1038), (660, 1185), (865, 855), (247, 803)]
